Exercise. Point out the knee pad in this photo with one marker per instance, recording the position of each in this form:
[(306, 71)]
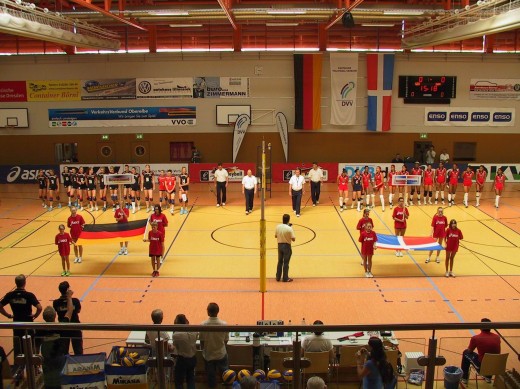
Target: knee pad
[(104, 198), (94, 198), (125, 197), (413, 192), (430, 193), (146, 198), (151, 199), (132, 199), (89, 198), (50, 198), (58, 198), (138, 198)]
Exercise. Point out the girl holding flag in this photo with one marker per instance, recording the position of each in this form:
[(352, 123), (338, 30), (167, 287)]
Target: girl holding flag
[(121, 215), (368, 239), (439, 224), (400, 215), (452, 239), (156, 250)]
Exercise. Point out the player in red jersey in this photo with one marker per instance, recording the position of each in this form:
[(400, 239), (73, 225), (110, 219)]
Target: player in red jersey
[(156, 250), (379, 186), (63, 241), (342, 182), (170, 183), (500, 181), (453, 180), (42, 187), (467, 181), (391, 186), (403, 189), (440, 182), (160, 218), (162, 189), (428, 183), (400, 215), (479, 182), (416, 171), (368, 239), (439, 224), (452, 238), (121, 215), (76, 222), (135, 194), (367, 179), (366, 219)]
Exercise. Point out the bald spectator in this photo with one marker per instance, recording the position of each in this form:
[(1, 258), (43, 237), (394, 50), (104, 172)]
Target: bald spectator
[(316, 383), (249, 382)]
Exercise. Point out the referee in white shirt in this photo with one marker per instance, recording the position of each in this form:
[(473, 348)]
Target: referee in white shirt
[(284, 235), (316, 177), (296, 190), (221, 181), (249, 184)]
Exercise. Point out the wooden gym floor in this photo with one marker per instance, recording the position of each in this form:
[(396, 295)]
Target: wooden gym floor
[(213, 255)]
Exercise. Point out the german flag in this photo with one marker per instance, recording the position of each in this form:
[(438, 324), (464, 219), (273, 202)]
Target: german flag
[(307, 91), (113, 232)]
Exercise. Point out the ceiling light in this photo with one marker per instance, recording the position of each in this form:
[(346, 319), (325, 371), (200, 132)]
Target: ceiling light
[(407, 12), (281, 24), (377, 24), (185, 25), (167, 12), (287, 12)]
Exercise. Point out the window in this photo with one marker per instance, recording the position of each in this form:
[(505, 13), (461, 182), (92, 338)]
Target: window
[(181, 151)]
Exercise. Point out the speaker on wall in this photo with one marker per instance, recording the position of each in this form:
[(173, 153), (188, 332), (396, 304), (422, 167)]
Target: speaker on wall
[(347, 20)]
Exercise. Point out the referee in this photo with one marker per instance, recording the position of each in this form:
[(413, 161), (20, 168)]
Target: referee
[(284, 234), (221, 182), (315, 177), (249, 184), (296, 190)]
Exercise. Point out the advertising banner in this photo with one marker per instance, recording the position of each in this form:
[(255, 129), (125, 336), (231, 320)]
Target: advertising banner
[(220, 87), (165, 88), (108, 89), (23, 174), (282, 172), (13, 91), (469, 117), (494, 89), (122, 117), (239, 132), (204, 172), (343, 88), (55, 90)]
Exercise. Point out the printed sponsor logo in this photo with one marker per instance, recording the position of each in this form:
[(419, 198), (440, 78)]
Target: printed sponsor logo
[(205, 175), (480, 116), (437, 116), (502, 117), (459, 116)]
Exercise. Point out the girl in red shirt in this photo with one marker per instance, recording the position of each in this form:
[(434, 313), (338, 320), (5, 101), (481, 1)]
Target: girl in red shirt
[(367, 178), (162, 221), (479, 182), (342, 182), (439, 224), (500, 181), (391, 187), (121, 215), (452, 238), (63, 241), (467, 181), (416, 171), (440, 182), (379, 186), (428, 184), (368, 239), (453, 180), (400, 215), (156, 250)]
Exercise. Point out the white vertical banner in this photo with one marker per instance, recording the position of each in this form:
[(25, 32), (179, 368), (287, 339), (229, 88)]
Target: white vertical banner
[(343, 87), (281, 124), (241, 125)]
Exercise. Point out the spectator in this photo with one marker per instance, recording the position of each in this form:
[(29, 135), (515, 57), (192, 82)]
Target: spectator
[(373, 367), (316, 383), (249, 382), (213, 346), (430, 155), (151, 336), (5, 369), (21, 303), (318, 343), (397, 159), (185, 344), (60, 306), (195, 155), (485, 342), (444, 157)]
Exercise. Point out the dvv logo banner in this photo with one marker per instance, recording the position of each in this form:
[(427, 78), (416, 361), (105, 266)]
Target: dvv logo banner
[(343, 87)]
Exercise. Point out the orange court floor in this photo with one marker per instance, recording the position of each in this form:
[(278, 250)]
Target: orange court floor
[(213, 254)]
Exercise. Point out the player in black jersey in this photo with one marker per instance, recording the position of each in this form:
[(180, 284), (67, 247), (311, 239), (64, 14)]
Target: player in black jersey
[(113, 190), (127, 188), (81, 179), (102, 187), (42, 187), (67, 183), (74, 191), (135, 194), (91, 190), (53, 189), (184, 186), (148, 186)]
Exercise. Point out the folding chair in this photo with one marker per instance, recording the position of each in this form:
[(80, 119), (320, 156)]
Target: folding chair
[(492, 364)]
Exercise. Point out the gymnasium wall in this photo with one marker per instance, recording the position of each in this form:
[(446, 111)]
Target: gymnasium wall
[(272, 90)]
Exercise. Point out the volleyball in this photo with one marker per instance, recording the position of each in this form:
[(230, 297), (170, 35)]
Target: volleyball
[(243, 373), (133, 355), (259, 374), (127, 361), (288, 375), (228, 377), (140, 362), (121, 352), (274, 375)]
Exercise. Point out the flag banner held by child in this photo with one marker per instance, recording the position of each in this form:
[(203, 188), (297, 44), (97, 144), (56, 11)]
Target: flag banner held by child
[(392, 242), (113, 232)]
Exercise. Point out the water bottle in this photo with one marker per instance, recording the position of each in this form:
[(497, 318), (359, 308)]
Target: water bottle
[(289, 334), (303, 324)]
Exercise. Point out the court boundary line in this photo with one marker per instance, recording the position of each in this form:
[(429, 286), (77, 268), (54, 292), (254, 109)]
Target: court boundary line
[(179, 230)]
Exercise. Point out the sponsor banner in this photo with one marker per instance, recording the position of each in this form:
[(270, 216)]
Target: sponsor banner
[(511, 171), (23, 174), (122, 117), (239, 132), (139, 167), (54, 90), (282, 172), (165, 88), (469, 117), (281, 124), (220, 87), (108, 89), (13, 91), (494, 89), (343, 88), (204, 172)]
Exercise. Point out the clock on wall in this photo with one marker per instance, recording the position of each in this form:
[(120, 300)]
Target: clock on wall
[(427, 89)]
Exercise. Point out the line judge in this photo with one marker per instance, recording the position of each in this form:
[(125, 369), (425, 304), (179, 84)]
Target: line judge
[(296, 190), (249, 185)]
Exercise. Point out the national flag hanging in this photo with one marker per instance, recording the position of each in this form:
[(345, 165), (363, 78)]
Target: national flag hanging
[(113, 232), (307, 91), (380, 74), (392, 242)]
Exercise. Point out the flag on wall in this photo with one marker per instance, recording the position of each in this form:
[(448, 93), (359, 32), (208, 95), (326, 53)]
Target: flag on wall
[(392, 242), (380, 74), (307, 91), (113, 232)]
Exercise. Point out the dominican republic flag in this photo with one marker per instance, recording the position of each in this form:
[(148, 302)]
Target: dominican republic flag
[(380, 74), (113, 232), (392, 242), (307, 91)]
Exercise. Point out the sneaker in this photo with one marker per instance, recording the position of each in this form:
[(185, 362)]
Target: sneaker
[(391, 205), (63, 273), (59, 205), (430, 202), (435, 202), (367, 274), (76, 260), (49, 209), (162, 260), (345, 207), (341, 209), (44, 206), (297, 215), (427, 260), (442, 202), (424, 202), (223, 204), (317, 202), (438, 260), (218, 205), (383, 208), (157, 273), (125, 252), (313, 205), (370, 275), (153, 273), (449, 204), (121, 251), (147, 210), (96, 209), (452, 274), (171, 211), (81, 208), (80, 260), (396, 253), (447, 274)]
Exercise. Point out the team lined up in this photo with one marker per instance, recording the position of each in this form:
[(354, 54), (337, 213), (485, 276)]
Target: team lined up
[(85, 186)]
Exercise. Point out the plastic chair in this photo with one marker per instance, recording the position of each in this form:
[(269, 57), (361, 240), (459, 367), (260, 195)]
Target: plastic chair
[(347, 362), (492, 364), (240, 357), (319, 364), (276, 359)]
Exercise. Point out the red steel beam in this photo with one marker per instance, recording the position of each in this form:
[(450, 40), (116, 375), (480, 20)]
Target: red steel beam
[(230, 17), (108, 13), (337, 18)]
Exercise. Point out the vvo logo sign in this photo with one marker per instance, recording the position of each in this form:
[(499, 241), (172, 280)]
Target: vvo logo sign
[(183, 122)]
